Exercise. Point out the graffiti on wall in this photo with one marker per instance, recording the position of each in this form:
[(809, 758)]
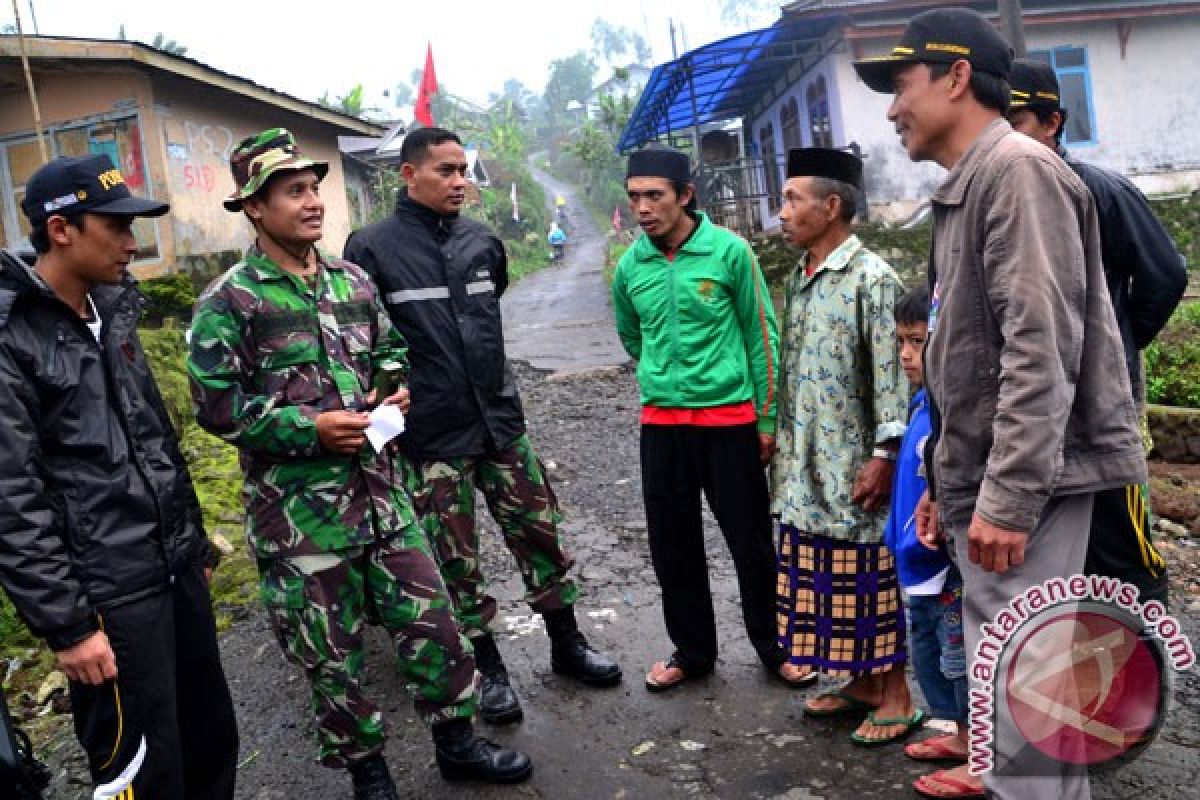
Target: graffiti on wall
[(201, 158)]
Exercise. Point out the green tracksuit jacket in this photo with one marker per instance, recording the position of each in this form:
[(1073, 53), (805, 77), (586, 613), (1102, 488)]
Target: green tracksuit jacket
[(701, 326)]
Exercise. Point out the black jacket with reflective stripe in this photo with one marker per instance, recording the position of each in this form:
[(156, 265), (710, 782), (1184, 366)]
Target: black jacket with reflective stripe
[(96, 505), (441, 277)]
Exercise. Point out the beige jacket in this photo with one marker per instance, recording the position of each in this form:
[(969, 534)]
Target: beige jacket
[(1024, 362)]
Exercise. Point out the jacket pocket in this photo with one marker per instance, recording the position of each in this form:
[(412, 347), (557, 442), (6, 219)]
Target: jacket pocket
[(289, 368)]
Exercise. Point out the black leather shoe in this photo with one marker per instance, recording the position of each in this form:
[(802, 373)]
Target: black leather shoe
[(572, 655), (477, 759), (372, 781), (498, 703)]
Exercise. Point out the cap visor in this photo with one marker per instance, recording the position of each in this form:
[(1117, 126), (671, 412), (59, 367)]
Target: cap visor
[(132, 206), (877, 73)]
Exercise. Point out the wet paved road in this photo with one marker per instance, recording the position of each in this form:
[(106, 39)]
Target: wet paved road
[(559, 318)]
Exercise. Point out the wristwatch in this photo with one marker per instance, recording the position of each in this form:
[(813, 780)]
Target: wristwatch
[(883, 452)]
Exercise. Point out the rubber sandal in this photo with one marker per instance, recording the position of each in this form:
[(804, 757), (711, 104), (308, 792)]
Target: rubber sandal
[(910, 724), (664, 686), (850, 705), (959, 790), (935, 749), (799, 683)]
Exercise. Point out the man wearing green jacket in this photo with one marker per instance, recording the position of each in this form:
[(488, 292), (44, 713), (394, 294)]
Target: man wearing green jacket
[(692, 309)]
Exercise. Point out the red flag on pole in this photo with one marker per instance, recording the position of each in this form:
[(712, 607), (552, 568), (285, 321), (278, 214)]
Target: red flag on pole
[(423, 112)]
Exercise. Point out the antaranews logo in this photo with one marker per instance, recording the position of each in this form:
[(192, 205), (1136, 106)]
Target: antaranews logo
[(1072, 671)]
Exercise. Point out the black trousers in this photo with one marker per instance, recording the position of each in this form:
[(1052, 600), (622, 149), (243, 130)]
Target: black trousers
[(679, 462), (165, 729)]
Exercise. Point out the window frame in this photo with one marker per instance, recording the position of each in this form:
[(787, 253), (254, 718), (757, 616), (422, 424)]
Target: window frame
[(1050, 56)]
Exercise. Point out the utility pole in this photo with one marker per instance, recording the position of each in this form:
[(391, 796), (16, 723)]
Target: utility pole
[(1012, 23), (674, 51), (37, 112)]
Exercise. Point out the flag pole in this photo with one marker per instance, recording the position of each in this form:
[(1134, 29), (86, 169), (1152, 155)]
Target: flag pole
[(37, 112)]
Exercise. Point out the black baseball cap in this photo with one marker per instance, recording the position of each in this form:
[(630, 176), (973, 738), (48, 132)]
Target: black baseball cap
[(84, 183), (941, 36), (1034, 85)]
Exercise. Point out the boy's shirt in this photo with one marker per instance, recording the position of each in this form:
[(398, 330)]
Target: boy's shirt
[(922, 571)]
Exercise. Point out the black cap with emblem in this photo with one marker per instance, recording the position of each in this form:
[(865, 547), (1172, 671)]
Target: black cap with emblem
[(84, 183), (941, 36), (1034, 85)]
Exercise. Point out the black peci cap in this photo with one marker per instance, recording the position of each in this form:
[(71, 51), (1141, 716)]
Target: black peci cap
[(941, 36), (659, 162), (825, 162), (1034, 85), (84, 183)]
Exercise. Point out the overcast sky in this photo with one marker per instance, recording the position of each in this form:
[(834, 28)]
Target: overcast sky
[(305, 48)]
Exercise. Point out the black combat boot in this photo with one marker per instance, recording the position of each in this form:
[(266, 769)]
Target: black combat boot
[(372, 781), (498, 703), (570, 653), (463, 756)]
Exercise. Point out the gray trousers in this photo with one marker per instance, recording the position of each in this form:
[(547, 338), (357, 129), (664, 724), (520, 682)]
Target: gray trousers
[(1056, 548)]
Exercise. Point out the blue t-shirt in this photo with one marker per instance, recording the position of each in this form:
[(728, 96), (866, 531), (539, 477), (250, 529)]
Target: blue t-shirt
[(915, 563)]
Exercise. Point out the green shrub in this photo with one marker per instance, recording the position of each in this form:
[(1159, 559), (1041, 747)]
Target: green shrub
[(1173, 360), (168, 296)]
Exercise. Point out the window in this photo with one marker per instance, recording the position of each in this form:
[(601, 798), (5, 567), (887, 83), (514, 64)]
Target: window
[(817, 97), (1075, 86), (766, 146), (789, 125), (120, 140)]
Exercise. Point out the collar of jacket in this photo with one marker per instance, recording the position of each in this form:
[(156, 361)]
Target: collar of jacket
[(434, 220), (953, 190), (700, 243), (267, 270), (839, 259)]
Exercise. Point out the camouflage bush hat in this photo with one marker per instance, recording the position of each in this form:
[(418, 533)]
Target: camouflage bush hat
[(260, 156)]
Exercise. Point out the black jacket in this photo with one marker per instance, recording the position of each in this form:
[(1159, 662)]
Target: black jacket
[(96, 505), (1146, 275), (441, 277)]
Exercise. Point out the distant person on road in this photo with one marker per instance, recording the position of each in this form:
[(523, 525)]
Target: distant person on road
[(842, 410), (289, 351), (102, 545), (1146, 278), (694, 312), (558, 240), (441, 276)]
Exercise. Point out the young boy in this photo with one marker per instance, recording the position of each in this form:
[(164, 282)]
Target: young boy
[(931, 583)]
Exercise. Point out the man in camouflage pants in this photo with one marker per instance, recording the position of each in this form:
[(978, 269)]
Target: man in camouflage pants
[(441, 276), (284, 349)]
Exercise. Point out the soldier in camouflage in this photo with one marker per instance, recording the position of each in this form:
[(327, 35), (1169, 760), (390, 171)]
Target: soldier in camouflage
[(286, 348), (442, 275)]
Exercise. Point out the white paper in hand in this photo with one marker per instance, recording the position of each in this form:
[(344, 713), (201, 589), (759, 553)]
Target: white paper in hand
[(387, 422)]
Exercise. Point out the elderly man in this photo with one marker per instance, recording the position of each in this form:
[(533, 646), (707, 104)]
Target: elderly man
[(1035, 415), (843, 402)]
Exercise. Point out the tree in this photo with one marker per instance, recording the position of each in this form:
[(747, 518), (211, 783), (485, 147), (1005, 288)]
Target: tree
[(402, 94), (745, 13), (612, 42), (570, 79), (168, 45), (350, 103)]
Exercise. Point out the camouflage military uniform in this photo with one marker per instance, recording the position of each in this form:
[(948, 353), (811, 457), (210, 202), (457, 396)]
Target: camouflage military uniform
[(335, 536), (521, 501)]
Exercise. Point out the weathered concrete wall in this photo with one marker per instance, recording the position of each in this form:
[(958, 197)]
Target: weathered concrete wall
[(199, 128), (1176, 433)]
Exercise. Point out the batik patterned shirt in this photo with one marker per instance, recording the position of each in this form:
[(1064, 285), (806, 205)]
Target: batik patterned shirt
[(841, 391)]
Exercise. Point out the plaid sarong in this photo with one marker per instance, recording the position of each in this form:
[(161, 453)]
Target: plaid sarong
[(839, 605)]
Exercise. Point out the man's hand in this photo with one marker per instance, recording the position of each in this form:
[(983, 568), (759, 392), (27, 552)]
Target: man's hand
[(929, 527), (766, 448), (873, 486), (91, 661), (400, 398), (994, 548), (208, 575), (342, 431)]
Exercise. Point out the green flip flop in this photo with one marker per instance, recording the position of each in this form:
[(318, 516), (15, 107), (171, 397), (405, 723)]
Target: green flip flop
[(910, 724), (850, 705)]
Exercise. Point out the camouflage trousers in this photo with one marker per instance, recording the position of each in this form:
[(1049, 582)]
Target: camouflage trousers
[(520, 499), (319, 606)]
